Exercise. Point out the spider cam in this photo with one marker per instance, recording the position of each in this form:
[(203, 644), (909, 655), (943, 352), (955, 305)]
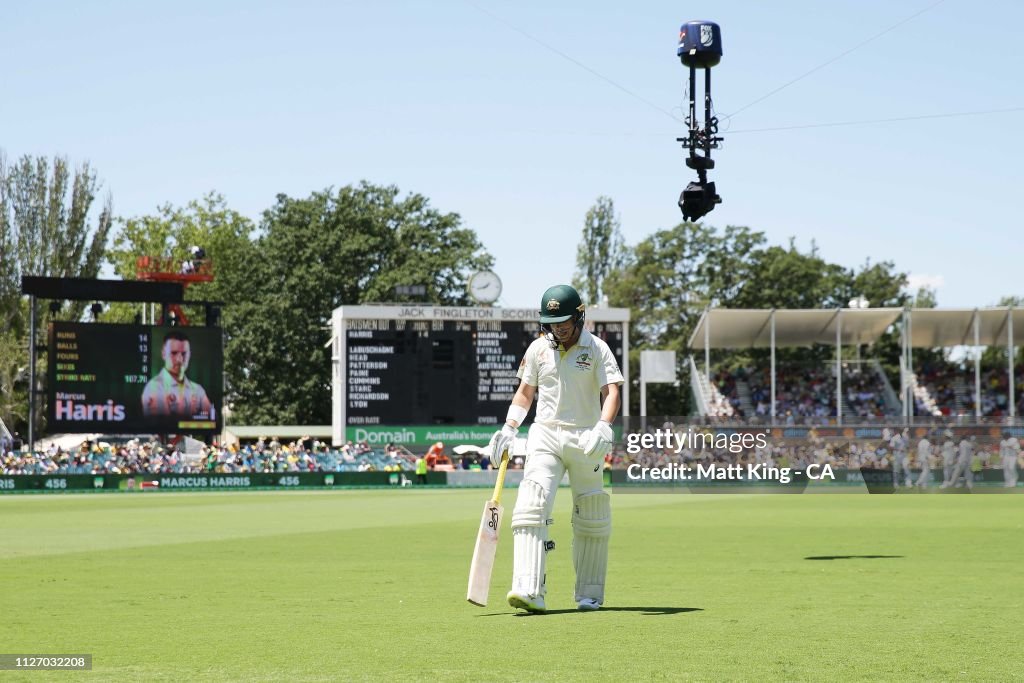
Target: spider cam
[(700, 47)]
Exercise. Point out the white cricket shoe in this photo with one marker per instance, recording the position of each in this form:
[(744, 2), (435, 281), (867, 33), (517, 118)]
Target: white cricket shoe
[(588, 605), (530, 603)]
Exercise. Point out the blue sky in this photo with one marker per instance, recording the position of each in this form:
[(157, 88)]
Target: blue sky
[(449, 100)]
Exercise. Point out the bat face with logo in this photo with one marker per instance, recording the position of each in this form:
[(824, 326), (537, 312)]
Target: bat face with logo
[(486, 548)]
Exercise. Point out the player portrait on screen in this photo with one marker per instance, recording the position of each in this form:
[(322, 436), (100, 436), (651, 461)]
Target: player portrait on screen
[(171, 392)]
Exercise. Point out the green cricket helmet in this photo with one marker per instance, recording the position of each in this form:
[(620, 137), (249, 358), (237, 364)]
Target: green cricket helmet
[(560, 303)]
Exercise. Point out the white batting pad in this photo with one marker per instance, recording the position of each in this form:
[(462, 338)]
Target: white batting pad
[(528, 561), (591, 526), (529, 534), (531, 505)]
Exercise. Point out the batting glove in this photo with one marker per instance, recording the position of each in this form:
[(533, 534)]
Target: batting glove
[(500, 442), (598, 441)]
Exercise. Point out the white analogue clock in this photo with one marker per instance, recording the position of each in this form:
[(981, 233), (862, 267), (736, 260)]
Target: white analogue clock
[(485, 287)]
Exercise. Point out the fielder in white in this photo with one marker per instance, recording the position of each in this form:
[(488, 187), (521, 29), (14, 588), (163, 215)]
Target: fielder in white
[(963, 464), (924, 461), (900, 445), (1009, 451), (576, 380), (948, 456)]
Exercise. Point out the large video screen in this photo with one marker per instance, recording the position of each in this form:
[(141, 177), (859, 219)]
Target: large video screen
[(134, 379)]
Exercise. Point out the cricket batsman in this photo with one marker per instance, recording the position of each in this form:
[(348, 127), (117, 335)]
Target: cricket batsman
[(576, 380)]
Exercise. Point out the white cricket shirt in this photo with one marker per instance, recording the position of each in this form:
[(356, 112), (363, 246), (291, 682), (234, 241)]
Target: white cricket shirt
[(164, 395), (569, 384), (924, 450)]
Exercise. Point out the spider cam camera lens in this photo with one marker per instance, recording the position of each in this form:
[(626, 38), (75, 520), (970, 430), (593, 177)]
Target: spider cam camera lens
[(698, 200)]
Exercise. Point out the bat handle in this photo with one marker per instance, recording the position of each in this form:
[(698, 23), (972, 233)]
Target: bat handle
[(499, 485)]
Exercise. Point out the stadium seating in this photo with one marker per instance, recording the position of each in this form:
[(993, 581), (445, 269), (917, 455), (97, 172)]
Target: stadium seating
[(947, 389), (804, 392)]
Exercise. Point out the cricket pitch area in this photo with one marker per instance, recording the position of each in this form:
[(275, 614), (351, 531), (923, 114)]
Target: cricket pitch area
[(370, 585)]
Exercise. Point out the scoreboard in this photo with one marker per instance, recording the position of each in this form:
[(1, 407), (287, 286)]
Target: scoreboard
[(116, 379), (439, 365)]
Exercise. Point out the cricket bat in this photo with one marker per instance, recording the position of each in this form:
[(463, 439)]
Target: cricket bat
[(487, 542)]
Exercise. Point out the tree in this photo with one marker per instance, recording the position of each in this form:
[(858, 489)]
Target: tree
[(348, 246), (13, 382), (45, 230), (788, 278), (881, 284), (728, 267), (601, 250), (224, 234), (926, 297), (671, 278)]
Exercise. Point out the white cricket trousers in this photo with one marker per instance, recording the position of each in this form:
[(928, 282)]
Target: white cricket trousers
[(1010, 470), (553, 451)]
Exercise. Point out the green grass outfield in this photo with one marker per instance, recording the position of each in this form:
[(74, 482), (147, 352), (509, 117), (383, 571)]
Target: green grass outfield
[(353, 585)]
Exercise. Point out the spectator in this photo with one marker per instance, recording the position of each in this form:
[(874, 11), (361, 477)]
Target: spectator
[(434, 454)]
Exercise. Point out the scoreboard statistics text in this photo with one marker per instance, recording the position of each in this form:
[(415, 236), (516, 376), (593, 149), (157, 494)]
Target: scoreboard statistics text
[(437, 371), (134, 379)]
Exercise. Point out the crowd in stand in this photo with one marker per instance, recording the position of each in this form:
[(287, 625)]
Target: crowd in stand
[(864, 393), (725, 399), (800, 392), (265, 455), (941, 380), (805, 394), (995, 393), (152, 457)]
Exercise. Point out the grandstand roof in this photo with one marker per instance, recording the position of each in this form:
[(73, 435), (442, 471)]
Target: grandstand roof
[(932, 327), (730, 328)]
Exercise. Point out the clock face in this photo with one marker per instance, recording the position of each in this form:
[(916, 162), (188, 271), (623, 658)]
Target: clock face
[(485, 287)]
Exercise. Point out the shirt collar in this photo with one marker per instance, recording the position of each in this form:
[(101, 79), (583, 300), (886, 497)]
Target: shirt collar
[(170, 379), (585, 341)]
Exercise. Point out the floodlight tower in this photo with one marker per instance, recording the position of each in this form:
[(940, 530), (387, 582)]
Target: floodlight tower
[(700, 47)]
